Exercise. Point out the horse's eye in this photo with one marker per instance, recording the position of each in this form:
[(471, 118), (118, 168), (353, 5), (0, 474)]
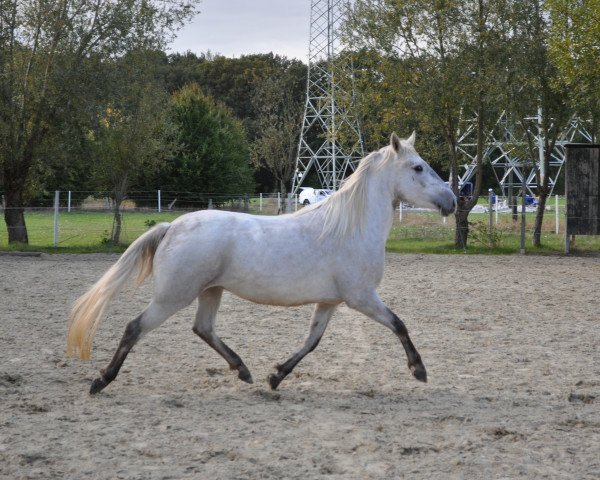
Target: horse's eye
[(419, 168)]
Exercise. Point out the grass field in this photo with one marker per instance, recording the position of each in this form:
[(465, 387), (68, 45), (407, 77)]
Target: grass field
[(82, 231), (419, 232)]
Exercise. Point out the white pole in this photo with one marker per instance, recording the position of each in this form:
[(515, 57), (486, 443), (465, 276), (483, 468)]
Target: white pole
[(158, 201), (496, 210), (278, 201), (556, 214), (296, 202), (69, 202), (523, 211), (56, 201), (260, 203), (541, 152), (400, 212), (491, 206)]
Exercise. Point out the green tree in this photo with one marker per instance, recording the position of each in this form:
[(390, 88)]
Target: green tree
[(133, 136), (279, 106), (574, 48), (44, 48), (537, 86), (239, 83), (213, 153), (443, 59)]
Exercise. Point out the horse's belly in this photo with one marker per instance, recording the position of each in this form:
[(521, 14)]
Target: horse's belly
[(279, 284), (290, 294)]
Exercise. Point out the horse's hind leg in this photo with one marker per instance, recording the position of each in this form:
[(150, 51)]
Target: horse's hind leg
[(204, 327), (320, 319), (151, 318), (372, 306)]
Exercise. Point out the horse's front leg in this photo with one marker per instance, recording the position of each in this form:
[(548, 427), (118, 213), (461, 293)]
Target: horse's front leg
[(321, 316), (372, 306)]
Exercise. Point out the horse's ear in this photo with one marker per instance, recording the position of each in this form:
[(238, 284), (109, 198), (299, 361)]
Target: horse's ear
[(411, 140), (395, 142)]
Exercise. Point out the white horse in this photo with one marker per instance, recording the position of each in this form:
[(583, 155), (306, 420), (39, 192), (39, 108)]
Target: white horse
[(260, 258)]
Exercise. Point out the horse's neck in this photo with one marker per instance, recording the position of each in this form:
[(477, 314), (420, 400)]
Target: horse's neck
[(379, 208)]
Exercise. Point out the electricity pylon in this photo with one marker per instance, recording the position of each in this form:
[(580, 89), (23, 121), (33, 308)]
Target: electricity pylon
[(506, 146), (330, 141)]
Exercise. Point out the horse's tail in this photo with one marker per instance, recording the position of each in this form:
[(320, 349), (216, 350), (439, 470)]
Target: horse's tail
[(89, 309)]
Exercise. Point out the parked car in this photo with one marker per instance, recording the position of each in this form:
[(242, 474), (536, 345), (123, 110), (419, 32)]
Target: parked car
[(310, 195)]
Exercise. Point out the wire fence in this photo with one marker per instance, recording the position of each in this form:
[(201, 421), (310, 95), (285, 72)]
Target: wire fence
[(86, 218)]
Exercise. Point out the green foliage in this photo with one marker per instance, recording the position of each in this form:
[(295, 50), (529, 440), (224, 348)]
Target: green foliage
[(236, 82), (266, 92), (440, 64), (133, 136), (280, 116), (574, 49), (50, 54), (213, 154), (105, 238), (481, 234)]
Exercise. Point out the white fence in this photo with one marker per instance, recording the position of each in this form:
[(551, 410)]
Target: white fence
[(56, 220)]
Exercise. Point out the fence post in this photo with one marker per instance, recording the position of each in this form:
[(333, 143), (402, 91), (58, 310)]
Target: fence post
[(289, 203), (158, 201), (69, 202), (556, 208), (56, 204), (296, 202), (522, 251), (497, 206), (210, 204), (279, 201), (246, 202), (400, 213), (491, 207), (260, 203)]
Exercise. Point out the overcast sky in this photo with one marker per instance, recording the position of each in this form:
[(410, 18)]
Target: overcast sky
[(238, 27)]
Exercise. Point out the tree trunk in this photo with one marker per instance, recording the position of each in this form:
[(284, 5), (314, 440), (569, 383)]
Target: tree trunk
[(543, 191), (539, 216), (14, 212), (283, 193), (115, 237), (461, 232)]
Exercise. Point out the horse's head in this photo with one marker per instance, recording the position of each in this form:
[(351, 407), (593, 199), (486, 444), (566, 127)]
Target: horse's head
[(415, 182)]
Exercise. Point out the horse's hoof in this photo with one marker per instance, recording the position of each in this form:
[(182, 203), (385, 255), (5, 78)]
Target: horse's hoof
[(419, 373), (245, 376), (274, 381), (98, 385)]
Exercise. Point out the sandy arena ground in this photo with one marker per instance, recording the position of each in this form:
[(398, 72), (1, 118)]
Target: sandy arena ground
[(510, 344)]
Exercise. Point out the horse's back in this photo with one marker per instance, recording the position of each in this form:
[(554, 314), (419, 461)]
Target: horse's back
[(274, 260)]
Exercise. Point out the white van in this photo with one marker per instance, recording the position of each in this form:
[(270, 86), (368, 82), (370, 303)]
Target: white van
[(310, 195)]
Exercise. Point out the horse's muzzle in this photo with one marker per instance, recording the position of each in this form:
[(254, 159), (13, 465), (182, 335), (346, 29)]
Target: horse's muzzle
[(448, 207)]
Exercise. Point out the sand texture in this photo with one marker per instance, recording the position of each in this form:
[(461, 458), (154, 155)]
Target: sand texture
[(511, 345)]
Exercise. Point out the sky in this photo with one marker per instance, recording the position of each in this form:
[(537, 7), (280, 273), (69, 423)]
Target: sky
[(239, 27)]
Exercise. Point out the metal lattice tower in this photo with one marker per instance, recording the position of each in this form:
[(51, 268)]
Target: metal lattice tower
[(505, 150), (330, 140)]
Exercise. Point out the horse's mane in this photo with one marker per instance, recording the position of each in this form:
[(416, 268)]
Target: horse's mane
[(345, 210)]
